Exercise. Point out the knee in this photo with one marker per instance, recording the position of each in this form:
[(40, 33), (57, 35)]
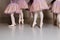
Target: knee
[(41, 14)]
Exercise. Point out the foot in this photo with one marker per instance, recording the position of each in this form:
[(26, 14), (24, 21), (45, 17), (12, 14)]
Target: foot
[(12, 25), (22, 21), (33, 25), (19, 21), (41, 24)]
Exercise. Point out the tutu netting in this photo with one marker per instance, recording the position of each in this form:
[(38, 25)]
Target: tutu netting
[(38, 5), (16, 6), (11, 8), (56, 7), (22, 4)]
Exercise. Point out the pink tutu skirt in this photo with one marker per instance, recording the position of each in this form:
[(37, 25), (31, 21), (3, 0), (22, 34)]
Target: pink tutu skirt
[(56, 7), (22, 4), (11, 8), (38, 5)]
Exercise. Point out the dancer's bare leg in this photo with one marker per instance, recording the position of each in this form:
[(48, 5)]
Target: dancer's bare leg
[(58, 20), (41, 17), (21, 17), (12, 20), (35, 19)]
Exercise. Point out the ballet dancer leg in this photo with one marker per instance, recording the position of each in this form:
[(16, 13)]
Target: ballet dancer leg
[(21, 17), (12, 20), (58, 20), (35, 19), (41, 17)]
